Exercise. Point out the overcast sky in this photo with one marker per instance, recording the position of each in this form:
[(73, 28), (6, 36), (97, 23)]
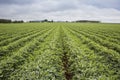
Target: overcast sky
[(102, 10)]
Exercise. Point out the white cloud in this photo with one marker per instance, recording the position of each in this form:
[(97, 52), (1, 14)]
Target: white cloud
[(59, 10)]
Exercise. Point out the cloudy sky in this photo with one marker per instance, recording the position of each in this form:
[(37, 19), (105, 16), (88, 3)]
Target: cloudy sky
[(102, 10)]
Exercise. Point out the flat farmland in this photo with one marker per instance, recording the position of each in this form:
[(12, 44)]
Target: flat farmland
[(59, 51)]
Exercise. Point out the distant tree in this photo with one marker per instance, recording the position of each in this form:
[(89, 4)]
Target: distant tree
[(5, 21), (38, 21), (45, 20), (66, 21), (34, 21), (21, 21), (89, 21), (52, 21)]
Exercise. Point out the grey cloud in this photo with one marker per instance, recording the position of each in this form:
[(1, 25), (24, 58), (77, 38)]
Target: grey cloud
[(54, 5), (105, 10), (17, 2), (102, 3)]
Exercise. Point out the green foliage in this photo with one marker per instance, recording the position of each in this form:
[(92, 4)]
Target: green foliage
[(59, 51)]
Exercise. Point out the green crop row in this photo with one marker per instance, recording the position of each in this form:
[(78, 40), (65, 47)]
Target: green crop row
[(59, 51)]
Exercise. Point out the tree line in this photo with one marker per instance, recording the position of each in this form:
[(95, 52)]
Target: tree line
[(87, 21), (10, 21), (46, 20)]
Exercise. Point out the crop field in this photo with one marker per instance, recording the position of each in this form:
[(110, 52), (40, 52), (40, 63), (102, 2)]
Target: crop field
[(59, 51)]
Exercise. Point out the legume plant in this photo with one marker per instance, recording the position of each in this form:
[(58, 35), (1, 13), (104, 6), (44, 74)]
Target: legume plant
[(60, 51)]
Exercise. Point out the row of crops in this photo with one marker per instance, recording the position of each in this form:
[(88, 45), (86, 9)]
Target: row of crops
[(59, 51)]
